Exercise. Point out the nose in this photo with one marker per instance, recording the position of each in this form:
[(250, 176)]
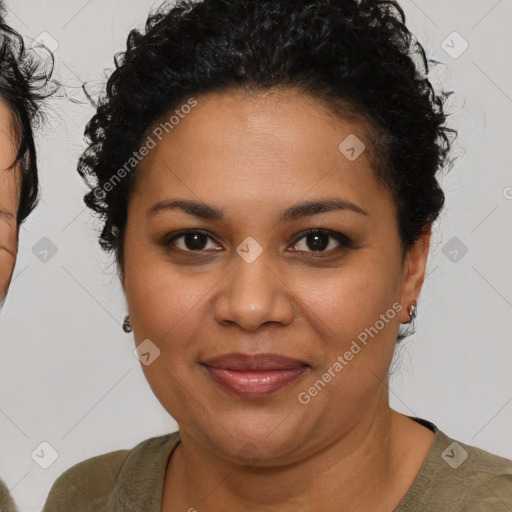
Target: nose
[(254, 294)]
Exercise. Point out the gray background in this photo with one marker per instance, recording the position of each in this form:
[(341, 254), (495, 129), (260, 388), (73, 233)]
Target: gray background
[(67, 373)]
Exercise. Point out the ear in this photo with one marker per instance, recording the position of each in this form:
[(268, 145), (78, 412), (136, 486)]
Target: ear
[(414, 273)]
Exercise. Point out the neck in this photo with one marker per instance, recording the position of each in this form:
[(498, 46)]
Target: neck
[(369, 468)]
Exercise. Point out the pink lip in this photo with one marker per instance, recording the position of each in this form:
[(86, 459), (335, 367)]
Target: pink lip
[(255, 375)]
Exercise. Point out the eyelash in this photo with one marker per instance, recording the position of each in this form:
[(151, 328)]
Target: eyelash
[(344, 241)]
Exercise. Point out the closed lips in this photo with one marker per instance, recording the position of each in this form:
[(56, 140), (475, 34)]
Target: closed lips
[(254, 376), (255, 362)]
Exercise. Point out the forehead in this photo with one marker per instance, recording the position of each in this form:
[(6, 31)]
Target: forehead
[(281, 119), (267, 147), (235, 139)]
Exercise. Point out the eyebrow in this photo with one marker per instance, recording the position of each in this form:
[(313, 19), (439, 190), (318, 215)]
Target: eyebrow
[(304, 209)]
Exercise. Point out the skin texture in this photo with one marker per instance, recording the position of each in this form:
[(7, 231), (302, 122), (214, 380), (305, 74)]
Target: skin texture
[(9, 200), (252, 157)]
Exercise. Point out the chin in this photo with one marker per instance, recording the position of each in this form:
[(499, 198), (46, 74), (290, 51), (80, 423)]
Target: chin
[(254, 439)]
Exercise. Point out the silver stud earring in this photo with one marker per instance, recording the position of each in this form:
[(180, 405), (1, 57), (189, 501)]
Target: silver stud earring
[(413, 310), (127, 326)]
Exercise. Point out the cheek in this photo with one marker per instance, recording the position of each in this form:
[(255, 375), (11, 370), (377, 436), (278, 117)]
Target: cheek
[(345, 301), (161, 303), (165, 302), (164, 309), (355, 314)]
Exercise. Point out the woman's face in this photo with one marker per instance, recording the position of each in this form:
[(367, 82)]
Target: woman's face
[(254, 283), (9, 200)]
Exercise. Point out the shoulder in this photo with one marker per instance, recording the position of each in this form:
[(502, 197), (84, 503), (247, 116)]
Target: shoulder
[(91, 484), (86, 484), (459, 477), (6, 503), (486, 477)]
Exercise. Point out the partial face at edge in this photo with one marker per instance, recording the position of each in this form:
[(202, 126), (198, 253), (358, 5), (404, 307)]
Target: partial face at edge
[(9, 200), (303, 297)]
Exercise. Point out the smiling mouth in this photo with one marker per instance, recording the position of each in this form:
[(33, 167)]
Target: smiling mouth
[(254, 375)]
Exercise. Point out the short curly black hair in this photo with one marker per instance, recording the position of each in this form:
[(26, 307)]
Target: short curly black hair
[(356, 57), (24, 83)]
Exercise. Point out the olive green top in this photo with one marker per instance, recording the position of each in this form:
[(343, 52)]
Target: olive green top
[(6, 503), (454, 477)]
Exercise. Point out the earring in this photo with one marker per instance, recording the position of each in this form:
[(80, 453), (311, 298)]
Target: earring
[(127, 326), (413, 310)]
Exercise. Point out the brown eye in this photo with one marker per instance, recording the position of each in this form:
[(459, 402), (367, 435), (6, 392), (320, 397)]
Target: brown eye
[(319, 241), (193, 241)]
